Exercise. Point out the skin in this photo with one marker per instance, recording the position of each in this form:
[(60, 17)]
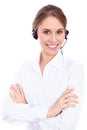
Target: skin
[(51, 35), (17, 94)]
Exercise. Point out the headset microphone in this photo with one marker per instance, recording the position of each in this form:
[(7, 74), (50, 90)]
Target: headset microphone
[(66, 33)]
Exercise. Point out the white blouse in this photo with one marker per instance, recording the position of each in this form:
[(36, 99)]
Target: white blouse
[(42, 91)]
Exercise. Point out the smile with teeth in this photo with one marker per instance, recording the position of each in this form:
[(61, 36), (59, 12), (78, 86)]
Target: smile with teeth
[(52, 46)]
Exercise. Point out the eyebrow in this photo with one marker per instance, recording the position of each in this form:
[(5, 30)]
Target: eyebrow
[(57, 29), (46, 29)]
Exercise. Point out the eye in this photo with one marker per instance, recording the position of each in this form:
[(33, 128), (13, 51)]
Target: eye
[(46, 32), (60, 31)]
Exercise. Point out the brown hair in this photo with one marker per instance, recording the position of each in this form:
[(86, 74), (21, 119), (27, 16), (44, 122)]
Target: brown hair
[(46, 11)]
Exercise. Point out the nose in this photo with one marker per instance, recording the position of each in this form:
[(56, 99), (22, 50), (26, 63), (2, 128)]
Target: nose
[(53, 38)]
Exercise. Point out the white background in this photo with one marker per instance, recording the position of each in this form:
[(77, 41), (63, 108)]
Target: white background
[(17, 44)]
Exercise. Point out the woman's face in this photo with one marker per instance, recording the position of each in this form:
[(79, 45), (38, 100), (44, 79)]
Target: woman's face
[(51, 35)]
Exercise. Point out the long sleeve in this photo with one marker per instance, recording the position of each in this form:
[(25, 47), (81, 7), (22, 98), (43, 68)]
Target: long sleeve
[(17, 113), (42, 92), (70, 116)]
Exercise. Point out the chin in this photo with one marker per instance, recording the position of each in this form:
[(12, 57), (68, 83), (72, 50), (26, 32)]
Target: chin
[(53, 53)]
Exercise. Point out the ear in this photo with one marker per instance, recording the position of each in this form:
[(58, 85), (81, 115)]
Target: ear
[(34, 34)]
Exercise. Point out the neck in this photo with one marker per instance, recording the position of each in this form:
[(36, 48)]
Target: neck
[(44, 59)]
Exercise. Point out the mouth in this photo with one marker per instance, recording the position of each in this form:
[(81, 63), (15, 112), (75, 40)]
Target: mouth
[(52, 46)]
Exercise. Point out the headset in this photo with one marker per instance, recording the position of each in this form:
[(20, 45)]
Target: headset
[(66, 33), (35, 36)]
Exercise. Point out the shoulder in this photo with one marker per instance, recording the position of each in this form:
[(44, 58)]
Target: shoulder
[(26, 65), (23, 71), (73, 64)]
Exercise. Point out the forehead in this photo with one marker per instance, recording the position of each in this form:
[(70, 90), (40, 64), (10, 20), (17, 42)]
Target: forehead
[(51, 22)]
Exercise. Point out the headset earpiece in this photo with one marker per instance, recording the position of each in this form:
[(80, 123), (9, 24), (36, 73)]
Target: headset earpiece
[(34, 34), (66, 33)]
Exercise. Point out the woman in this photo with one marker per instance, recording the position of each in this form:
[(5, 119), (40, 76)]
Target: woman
[(47, 93)]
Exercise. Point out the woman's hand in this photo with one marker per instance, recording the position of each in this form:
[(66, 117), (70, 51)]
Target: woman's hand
[(67, 99), (17, 94)]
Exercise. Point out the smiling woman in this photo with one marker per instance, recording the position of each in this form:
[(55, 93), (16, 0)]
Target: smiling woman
[(48, 91), (51, 35)]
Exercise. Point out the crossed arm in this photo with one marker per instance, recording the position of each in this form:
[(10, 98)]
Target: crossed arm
[(67, 99)]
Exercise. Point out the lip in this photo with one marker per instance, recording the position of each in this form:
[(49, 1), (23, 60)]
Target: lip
[(52, 46)]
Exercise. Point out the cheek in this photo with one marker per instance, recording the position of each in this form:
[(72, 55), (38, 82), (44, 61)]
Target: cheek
[(42, 39), (62, 39)]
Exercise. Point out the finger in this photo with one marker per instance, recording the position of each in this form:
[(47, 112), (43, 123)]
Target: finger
[(22, 95), (20, 89), (14, 92), (12, 96), (16, 88), (71, 100), (70, 104), (70, 90), (71, 95), (67, 105)]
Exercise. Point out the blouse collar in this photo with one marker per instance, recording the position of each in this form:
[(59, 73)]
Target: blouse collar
[(56, 62)]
